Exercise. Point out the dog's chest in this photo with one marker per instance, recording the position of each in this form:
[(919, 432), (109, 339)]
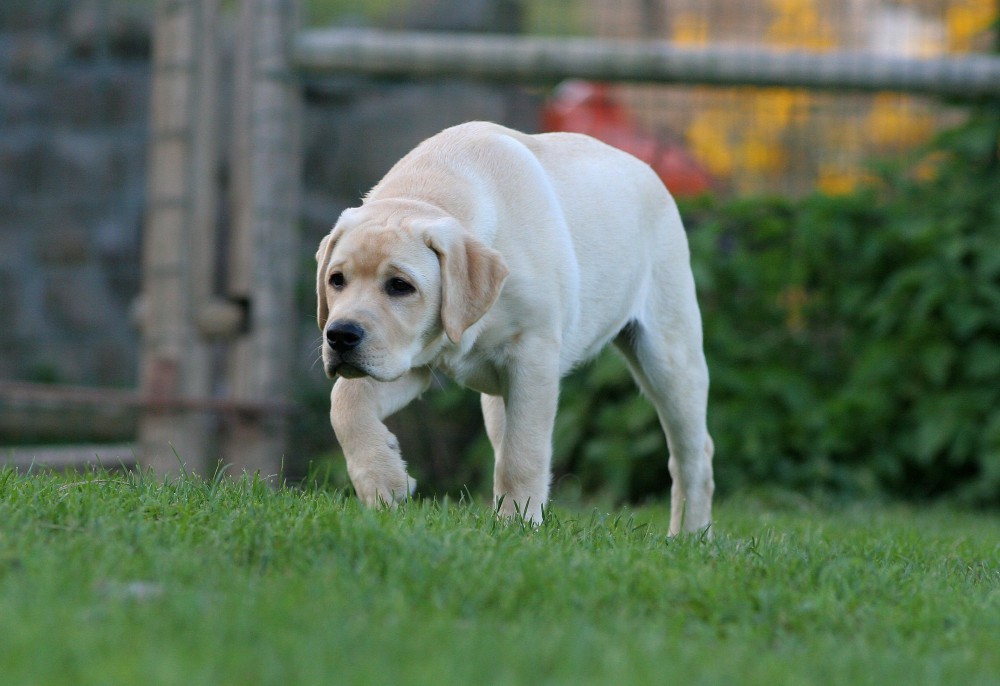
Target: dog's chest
[(473, 371)]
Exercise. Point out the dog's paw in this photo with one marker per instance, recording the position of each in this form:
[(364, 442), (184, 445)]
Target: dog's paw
[(378, 473), (382, 490), (524, 510)]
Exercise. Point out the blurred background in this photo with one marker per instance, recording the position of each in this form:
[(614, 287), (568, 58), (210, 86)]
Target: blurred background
[(844, 242)]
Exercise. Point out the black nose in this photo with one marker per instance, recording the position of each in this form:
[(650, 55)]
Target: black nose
[(344, 335)]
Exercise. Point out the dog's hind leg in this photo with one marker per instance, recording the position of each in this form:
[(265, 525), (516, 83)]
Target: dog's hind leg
[(667, 362)]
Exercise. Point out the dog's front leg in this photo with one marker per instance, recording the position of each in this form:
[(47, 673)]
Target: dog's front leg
[(374, 462), (524, 455)]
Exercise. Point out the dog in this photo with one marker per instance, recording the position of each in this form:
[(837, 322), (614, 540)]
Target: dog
[(504, 260)]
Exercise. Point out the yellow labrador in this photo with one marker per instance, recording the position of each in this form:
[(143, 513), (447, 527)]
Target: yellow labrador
[(504, 260)]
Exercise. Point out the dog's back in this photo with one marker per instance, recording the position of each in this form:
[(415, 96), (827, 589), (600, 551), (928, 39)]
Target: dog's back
[(599, 221)]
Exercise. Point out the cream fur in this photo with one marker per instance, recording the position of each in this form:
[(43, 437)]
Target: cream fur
[(526, 255)]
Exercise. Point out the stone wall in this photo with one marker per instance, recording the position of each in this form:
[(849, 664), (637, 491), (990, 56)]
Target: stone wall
[(74, 85), (74, 91)]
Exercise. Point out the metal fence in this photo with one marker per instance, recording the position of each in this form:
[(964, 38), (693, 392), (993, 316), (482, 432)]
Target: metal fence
[(749, 82)]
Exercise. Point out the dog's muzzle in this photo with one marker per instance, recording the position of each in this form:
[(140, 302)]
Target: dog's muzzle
[(344, 336)]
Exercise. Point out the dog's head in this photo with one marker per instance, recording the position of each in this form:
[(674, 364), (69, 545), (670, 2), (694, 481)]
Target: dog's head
[(390, 283)]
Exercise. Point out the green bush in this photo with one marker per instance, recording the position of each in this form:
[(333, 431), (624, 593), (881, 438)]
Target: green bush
[(853, 344)]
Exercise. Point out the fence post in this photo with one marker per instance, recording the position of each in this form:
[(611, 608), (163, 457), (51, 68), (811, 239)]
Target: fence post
[(186, 321), (265, 169), (179, 238)]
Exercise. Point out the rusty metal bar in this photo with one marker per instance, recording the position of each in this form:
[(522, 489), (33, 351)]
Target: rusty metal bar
[(26, 392)]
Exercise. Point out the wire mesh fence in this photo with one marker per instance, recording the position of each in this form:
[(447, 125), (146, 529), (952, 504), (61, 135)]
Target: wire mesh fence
[(796, 141), (748, 139)]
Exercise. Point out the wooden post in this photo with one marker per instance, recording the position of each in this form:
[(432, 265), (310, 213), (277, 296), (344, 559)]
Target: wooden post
[(183, 316), (265, 168), (179, 239)]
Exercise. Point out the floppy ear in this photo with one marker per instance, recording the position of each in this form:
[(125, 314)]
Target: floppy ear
[(322, 260), (472, 275)]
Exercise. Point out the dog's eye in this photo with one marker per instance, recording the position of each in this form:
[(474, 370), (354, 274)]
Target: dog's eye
[(398, 286), (337, 280)]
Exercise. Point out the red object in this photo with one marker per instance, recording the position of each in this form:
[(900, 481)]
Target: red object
[(590, 108)]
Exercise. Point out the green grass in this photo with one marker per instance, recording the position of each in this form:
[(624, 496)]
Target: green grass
[(115, 579)]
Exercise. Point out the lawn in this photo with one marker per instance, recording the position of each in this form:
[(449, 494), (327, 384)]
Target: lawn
[(115, 579)]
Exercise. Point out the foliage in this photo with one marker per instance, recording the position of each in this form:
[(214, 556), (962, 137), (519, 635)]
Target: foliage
[(117, 578), (854, 341), (863, 333)]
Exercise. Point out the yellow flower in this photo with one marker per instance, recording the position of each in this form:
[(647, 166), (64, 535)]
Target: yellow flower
[(691, 29), (891, 125), (798, 24), (761, 156), (709, 138), (775, 109), (835, 180), (927, 169), (967, 20)]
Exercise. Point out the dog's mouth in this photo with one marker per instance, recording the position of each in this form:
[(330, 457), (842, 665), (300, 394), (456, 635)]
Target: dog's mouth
[(339, 367), (348, 371), (349, 366), (342, 364)]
